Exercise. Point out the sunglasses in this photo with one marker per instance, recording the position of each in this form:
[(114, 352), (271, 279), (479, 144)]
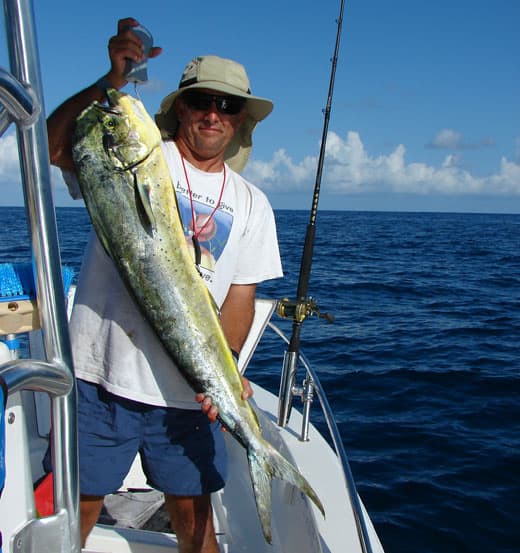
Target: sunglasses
[(201, 101)]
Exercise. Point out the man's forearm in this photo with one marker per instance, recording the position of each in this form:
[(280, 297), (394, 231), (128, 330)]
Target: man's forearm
[(62, 122), (237, 314)]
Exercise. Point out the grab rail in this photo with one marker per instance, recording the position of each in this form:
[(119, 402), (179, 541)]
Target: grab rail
[(21, 97), (20, 104), (312, 383), (29, 374)]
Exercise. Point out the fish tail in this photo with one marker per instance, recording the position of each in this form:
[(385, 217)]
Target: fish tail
[(264, 464)]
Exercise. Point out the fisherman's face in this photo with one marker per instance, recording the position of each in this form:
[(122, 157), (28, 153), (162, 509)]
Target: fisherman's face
[(204, 129)]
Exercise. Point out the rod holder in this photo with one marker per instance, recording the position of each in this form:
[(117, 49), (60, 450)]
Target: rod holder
[(286, 387)]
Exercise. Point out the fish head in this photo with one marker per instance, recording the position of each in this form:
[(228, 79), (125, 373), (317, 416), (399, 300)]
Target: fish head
[(122, 129)]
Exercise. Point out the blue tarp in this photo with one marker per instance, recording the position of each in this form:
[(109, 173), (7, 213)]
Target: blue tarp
[(17, 281)]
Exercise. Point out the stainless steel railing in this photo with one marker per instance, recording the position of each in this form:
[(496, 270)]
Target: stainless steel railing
[(21, 101)]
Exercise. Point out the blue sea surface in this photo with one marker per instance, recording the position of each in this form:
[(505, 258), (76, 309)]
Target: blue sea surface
[(421, 364)]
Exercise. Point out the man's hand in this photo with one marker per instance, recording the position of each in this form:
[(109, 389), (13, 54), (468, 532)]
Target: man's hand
[(211, 410), (123, 46)]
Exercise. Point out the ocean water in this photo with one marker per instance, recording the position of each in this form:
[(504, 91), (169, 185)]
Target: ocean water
[(421, 365)]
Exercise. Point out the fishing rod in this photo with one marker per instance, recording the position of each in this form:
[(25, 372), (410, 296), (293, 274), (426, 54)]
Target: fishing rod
[(305, 306), (299, 310)]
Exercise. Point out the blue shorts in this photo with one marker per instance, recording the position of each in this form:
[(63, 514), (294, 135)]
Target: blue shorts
[(182, 453)]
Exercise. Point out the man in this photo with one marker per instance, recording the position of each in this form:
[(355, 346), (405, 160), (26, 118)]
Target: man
[(131, 397)]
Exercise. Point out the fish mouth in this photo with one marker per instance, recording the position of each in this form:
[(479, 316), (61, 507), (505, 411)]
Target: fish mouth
[(110, 108)]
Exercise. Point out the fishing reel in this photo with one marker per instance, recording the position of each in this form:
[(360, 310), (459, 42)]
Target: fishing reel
[(299, 310)]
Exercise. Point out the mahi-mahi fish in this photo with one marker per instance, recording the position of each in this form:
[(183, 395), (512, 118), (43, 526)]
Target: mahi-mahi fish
[(128, 191)]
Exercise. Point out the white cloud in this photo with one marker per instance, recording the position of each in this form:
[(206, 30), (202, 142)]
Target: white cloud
[(10, 176), (507, 181), (57, 179), (350, 169), (9, 164), (282, 171), (447, 138), (451, 160)]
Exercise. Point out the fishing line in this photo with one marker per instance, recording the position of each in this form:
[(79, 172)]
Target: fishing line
[(136, 90)]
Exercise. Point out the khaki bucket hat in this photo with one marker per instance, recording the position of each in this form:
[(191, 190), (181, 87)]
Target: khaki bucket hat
[(222, 75)]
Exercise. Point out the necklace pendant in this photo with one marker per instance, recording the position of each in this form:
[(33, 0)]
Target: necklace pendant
[(198, 253)]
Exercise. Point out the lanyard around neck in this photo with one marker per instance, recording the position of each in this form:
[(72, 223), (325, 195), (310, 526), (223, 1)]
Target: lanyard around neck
[(197, 231)]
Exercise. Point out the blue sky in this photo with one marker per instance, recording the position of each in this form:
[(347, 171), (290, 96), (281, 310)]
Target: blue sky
[(425, 114)]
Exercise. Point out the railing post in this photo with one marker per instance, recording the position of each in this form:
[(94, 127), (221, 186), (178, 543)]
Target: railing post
[(35, 168)]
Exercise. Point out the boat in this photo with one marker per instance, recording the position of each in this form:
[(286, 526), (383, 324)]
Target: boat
[(41, 398)]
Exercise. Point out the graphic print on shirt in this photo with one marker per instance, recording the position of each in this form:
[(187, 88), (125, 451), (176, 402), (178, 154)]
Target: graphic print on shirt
[(214, 235)]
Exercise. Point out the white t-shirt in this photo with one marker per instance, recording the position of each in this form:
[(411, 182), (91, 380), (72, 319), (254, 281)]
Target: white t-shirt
[(113, 345)]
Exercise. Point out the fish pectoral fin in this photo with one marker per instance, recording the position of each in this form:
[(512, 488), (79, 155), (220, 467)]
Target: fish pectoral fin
[(144, 204), (264, 463)]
